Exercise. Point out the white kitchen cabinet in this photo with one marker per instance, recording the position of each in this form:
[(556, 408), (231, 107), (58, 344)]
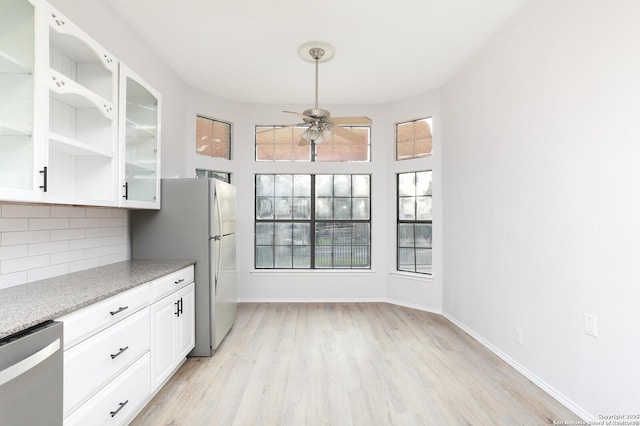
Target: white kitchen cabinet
[(21, 156), (82, 80), (139, 142), (172, 333), (63, 137)]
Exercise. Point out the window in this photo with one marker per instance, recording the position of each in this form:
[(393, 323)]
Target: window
[(413, 139), (210, 174), (213, 138), (313, 221), (275, 143), (414, 222)]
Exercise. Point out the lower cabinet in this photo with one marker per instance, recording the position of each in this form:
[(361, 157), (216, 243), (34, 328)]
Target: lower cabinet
[(172, 333), (114, 364)]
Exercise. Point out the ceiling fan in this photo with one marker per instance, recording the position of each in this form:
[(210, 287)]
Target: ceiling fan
[(321, 124)]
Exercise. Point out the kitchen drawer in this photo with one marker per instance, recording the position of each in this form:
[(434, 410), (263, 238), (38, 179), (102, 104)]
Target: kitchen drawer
[(88, 321), (91, 364), (117, 402), (170, 283)]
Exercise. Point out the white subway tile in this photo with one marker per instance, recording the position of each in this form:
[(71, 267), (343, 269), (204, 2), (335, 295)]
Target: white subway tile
[(109, 241), (98, 212), (84, 244), (23, 264), (25, 210), (111, 222), (26, 237), (46, 248), (104, 251), (67, 257), (117, 230), (82, 265), (67, 234), (47, 272), (14, 224), (99, 232), (49, 223), (118, 212), (10, 280), (14, 252), (84, 223), (67, 211)]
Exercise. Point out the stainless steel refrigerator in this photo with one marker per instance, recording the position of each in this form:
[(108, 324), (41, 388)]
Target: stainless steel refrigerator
[(196, 221)]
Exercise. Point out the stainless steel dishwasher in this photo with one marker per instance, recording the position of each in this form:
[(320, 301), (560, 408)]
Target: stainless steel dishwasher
[(31, 376)]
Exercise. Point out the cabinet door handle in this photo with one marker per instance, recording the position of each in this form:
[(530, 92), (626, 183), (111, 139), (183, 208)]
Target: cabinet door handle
[(177, 308), (126, 190), (179, 281), (120, 309), (120, 352), (44, 174), (181, 305), (120, 407)]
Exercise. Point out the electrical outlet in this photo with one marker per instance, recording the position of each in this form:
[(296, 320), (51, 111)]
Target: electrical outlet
[(591, 325), (518, 335)]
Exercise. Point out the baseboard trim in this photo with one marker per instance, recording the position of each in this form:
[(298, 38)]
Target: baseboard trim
[(311, 300), (558, 396), (415, 306)]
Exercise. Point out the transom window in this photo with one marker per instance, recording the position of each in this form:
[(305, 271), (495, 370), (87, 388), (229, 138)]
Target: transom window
[(414, 139), (415, 222), (277, 143), (213, 138), (312, 221)]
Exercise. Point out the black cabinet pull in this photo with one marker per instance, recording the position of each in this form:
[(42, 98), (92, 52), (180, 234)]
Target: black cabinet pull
[(120, 406), (179, 281), (181, 305), (44, 175), (120, 309), (177, 308), (126, 190), (120, 352)]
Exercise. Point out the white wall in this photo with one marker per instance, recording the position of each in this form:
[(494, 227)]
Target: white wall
[(541, 158)]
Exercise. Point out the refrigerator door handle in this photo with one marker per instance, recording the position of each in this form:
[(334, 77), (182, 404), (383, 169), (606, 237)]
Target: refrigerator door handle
[(218, 238)]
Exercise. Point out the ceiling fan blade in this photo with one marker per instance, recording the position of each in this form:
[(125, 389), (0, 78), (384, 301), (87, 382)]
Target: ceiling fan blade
[(347, 134), (298, 114), (304, 142), (274, 128), (351, 120)]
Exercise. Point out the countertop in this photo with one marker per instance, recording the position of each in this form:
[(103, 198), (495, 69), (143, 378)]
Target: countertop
[(26, 305)]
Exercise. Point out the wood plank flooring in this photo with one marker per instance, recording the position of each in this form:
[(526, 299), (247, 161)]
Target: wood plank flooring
[(348, 364)]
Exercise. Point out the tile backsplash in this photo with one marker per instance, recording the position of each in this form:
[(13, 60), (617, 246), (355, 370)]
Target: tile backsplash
[(42, 241)]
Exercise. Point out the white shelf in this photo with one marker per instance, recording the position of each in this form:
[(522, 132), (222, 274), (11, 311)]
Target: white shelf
[(10, 65), (74, 147), (144, 167), (135, 130), (11, 130), (71, 93)]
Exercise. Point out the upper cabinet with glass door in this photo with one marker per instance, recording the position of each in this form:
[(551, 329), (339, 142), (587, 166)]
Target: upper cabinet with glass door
[(139, 142), (82, 78), (20, 157)]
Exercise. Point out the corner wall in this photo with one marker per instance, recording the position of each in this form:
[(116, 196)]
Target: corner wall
[(541, 159)]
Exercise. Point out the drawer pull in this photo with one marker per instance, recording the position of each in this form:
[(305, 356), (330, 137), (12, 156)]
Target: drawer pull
[(120, 406), (120, 309), (113, 356), (179, 281)]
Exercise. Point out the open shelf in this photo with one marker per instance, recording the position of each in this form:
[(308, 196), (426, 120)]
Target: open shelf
[(74, 147), (7, 129), (71, 93)]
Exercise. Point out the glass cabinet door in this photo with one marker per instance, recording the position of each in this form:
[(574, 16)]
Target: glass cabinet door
[(140, 136), (18, 162)]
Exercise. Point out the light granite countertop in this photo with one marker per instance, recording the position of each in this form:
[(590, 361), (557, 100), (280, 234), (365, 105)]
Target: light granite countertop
[(26, 305)]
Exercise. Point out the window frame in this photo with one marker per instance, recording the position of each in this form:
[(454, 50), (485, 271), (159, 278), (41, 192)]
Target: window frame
[(313, 221), (429, 121), (414, 222), (215, 120)]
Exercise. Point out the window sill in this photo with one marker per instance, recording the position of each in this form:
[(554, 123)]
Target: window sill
[(314, 272), (412, 276)]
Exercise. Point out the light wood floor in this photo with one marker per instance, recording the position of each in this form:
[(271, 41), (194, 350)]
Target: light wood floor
[(348, 364)]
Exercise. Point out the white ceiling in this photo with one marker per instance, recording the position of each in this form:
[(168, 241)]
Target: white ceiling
[(247, 50)]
